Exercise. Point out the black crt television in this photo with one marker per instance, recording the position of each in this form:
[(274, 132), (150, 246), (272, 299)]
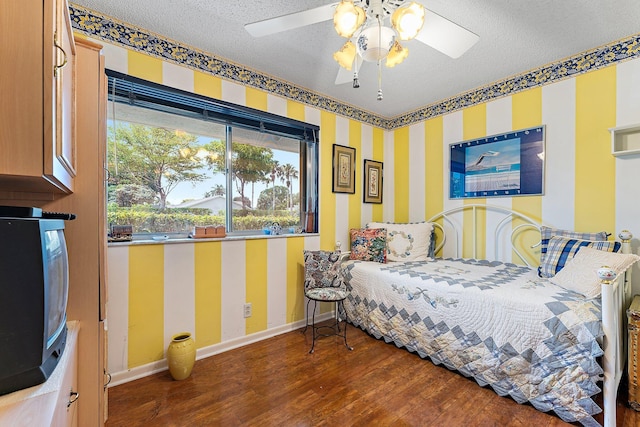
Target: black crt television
[(34, 285)]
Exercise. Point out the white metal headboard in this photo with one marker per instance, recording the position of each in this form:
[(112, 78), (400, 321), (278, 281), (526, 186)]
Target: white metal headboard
[(506, 217)]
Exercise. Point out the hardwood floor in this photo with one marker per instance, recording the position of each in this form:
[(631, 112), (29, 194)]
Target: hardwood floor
[(276, 382)]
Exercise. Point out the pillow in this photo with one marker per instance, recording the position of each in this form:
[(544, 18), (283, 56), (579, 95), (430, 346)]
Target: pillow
[(369, 244), (561, 249), (407, 241), (581, 273), (547, 233)]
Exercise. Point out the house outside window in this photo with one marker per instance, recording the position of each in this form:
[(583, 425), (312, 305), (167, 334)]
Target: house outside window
[(177, 160)]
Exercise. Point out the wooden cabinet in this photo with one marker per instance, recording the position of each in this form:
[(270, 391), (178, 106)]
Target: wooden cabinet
[(52, 154), (37, 107), (85, 235), (66, 412)]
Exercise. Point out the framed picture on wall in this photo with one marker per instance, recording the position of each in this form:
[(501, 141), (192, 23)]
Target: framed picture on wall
[(372, 182), (344, 169), (504, 165)]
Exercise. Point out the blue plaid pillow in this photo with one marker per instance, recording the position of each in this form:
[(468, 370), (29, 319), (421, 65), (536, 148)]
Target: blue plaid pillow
[(561, 249), (547, 233)]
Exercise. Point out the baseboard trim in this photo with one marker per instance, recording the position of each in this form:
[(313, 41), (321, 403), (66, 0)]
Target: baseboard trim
[(138, 372)]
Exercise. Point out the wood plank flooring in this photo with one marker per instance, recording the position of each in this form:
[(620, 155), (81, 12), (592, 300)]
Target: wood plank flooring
[(276, 382)]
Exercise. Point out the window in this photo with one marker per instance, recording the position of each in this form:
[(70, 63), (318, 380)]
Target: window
[(177, 160)]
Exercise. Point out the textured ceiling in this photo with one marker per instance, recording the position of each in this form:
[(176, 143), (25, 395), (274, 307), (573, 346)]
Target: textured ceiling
[(515, 36)]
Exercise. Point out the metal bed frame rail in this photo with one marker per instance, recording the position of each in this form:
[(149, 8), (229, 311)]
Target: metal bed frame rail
[(508, 216), (616, 297)]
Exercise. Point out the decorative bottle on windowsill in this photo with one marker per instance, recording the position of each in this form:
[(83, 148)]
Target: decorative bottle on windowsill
[(181, 355)]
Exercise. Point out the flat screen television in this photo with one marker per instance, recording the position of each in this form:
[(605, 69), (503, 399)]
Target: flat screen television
[(34, 283)]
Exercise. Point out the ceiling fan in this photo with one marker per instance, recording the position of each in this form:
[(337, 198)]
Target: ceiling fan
[(364, 22)]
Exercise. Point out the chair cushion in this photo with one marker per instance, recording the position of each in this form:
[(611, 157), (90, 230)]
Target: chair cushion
[(327, 294), (322, 271)]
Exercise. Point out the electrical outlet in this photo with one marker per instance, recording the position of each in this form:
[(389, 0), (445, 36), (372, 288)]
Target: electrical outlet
[(247, 310)]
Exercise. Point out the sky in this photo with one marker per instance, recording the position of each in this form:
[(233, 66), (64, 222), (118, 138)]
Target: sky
[(189, 191)]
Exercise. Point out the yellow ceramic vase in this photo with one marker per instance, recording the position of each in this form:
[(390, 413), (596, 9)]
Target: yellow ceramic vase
[(181, 355)]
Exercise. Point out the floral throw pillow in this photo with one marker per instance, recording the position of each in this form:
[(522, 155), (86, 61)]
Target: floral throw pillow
[(369, 244)]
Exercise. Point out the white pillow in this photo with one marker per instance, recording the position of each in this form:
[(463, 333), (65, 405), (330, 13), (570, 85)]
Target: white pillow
[(406, 241), (580, 274)]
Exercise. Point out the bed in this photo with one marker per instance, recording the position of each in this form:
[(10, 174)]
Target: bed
[(536, 339)]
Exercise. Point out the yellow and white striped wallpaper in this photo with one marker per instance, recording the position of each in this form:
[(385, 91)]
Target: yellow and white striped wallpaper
[(158, 290)]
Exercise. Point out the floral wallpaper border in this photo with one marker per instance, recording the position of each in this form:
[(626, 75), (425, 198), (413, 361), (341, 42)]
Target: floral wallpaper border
[(122, 34)]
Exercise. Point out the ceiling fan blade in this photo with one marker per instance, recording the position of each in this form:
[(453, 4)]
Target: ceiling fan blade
[(445, 36), (291, 21), (346, 76)]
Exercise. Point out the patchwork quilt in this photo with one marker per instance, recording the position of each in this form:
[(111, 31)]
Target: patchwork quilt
[(496, 322)]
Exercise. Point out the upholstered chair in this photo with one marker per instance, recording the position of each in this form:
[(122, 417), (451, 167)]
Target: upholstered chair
[(323, 282)]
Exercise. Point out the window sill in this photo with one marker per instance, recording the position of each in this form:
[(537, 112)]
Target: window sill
[(151, 241)]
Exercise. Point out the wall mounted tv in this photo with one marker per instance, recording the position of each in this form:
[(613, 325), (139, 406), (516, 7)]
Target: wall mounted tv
[(34, 282), (508, 164)]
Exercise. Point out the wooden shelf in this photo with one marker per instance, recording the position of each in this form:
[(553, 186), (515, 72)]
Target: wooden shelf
[(625, 140)]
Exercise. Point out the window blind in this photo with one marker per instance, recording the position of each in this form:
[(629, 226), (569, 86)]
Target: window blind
[(127, 89)]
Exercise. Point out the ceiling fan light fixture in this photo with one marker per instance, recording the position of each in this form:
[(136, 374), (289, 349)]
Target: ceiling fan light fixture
[(408, 20), (346, 55), (375, 42), (348, 18), (396, 55)]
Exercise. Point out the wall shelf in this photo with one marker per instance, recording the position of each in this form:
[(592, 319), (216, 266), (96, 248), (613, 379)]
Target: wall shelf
[(625, 140)]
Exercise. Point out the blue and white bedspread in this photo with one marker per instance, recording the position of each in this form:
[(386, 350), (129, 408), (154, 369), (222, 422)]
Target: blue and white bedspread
[(496, 322)]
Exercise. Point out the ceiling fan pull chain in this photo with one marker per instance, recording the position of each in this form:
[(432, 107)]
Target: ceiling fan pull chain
[(379, 97), (356, 82), (379, 80)]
